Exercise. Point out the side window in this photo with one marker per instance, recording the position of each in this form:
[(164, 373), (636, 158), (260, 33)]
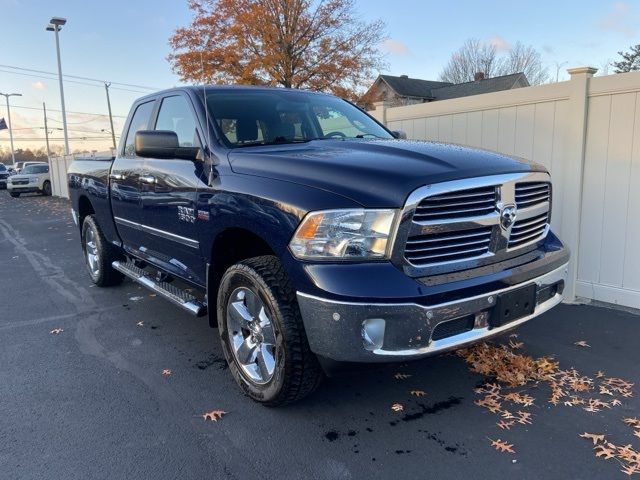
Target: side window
[(139, 122), (176, 116)]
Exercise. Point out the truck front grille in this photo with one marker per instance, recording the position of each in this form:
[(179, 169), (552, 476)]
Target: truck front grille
[(474, 222), (448, 246), (529, 194), (468, 203), (529, 230)]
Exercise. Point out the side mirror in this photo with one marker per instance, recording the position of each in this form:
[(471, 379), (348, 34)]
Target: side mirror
[(399, 134), (163, 144)]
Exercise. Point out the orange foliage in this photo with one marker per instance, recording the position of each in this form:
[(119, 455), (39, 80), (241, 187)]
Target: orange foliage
[(289, 43)]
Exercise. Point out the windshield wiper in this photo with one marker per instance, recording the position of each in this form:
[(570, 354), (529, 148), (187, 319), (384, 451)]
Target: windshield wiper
[(275, 142), (363, 135)]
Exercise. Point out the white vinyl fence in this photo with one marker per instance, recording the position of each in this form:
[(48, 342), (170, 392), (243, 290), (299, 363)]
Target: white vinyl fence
[(586, 131), (58, 167)]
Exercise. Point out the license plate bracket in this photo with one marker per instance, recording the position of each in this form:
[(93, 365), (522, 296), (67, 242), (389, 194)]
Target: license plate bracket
[(511, 306)]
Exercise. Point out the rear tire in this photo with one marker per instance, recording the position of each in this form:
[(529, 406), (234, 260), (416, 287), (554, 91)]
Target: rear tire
[(14, 194), (99, 254), (296, 371), (46, 188)]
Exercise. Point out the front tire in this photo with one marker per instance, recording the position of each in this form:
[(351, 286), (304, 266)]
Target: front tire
[(262, 333), (14, 194), (99, 254), (46, 188)]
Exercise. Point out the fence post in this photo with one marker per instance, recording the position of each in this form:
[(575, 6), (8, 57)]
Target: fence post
[(573, 174), (380, 112)]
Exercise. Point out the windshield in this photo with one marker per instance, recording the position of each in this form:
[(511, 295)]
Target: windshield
[(35, 169), (248, 118), (2, 167)]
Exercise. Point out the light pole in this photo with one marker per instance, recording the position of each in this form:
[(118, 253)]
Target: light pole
[(6, 96), (55, 25)]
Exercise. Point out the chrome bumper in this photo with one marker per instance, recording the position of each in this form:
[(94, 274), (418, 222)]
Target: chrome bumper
[(336, 329)]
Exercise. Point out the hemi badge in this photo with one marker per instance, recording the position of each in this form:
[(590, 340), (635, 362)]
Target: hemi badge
[(203, 215)]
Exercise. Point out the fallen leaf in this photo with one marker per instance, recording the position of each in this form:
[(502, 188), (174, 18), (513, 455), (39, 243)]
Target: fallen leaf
[(600, 374), (637, 433), (166, 372), (515, 345), (401, 376), (417, 393), (615, 402), (502, 446), (524, 418), (140, 324), (592, 436), (213, 415), (631, 421), (629, 470), (56, 331), (605, 452), (396, 407), (506, 425), (582, 343)]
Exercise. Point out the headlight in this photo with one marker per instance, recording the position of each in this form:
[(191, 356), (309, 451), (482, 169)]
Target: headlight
[(33, 179), (344, 234)]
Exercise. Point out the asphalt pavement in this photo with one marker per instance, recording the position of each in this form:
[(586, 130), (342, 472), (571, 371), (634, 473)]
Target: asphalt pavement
[(92, 402)]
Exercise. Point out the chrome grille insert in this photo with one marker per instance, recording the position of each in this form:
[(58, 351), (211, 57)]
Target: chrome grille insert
[(529, 230), (448, 246), (468, 223), (532, 193), (467, 203)]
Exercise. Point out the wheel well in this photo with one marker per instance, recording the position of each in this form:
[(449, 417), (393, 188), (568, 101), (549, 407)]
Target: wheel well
[(84, 208), (230, 247)]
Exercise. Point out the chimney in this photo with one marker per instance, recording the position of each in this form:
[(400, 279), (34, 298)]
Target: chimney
[(478, 76), (404, 76)]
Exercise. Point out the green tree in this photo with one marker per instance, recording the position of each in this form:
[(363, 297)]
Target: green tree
[(630, 60)]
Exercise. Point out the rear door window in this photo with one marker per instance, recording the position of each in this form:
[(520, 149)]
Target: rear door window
[(140, 121)]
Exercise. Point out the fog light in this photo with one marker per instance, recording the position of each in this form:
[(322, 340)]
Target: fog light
[(373, 333)]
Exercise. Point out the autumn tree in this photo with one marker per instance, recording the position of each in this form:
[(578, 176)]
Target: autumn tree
[(477, 56), (319, 45), (630, 60)]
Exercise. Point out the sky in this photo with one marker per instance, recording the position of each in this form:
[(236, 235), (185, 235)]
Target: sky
[(126, 42)]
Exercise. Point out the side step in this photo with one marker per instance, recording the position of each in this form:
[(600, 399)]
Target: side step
[(175, 295)]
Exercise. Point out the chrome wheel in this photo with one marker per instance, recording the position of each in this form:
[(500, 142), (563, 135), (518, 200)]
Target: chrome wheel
[(251, 335), (91, 251)]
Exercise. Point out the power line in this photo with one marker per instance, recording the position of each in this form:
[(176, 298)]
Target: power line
[(68, 111), (80, 78), (73, 81)]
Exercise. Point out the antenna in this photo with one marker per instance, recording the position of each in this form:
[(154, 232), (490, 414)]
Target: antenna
[(208, 126)]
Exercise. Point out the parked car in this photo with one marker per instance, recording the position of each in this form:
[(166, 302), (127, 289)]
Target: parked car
[(33, 178), (4, 175), (312, 236)]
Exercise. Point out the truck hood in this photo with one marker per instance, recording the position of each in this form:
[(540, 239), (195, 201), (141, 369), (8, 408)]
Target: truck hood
[(374, 173)]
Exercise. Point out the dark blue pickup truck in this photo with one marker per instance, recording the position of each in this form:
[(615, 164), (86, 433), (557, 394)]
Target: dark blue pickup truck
[(312, 236)]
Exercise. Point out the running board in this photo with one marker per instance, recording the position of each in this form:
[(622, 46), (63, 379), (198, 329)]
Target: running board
[(175, 295)]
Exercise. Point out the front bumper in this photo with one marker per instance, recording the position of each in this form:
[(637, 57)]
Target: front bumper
[(335, 329), (29, 188)]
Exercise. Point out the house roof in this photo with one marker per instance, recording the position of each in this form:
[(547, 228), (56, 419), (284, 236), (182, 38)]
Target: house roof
[(487, 85), (412, 87), (404, 86)]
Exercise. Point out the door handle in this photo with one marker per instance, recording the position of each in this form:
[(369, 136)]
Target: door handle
[(117, 176), (150, 179)]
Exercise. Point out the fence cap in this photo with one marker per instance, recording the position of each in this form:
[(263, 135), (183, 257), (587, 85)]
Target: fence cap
[(579, 70)]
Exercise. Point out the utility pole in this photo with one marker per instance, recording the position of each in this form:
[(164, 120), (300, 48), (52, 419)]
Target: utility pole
[(55, 25), (113, 134), (46, 130), (6, 96)]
